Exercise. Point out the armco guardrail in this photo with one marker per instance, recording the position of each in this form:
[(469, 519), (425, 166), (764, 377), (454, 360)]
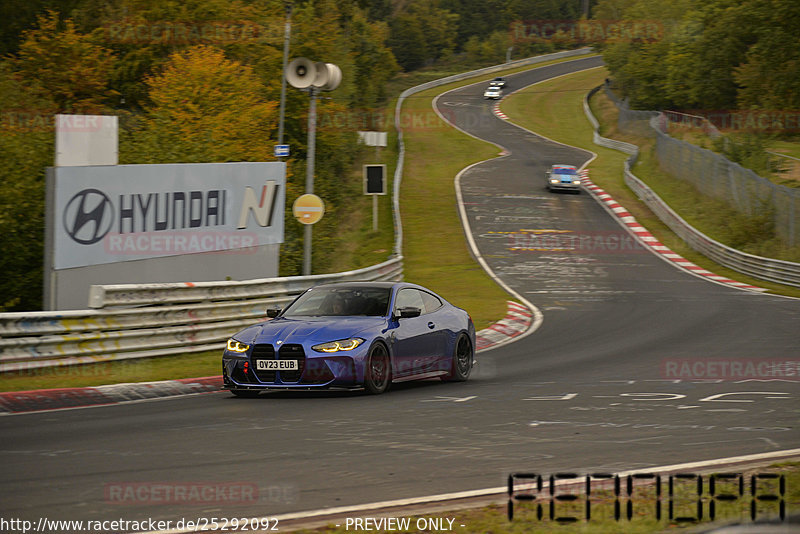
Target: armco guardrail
[(133, 321), (190, 318), (782, 272)]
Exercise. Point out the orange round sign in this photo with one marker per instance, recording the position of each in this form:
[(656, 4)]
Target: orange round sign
[(308, 208)]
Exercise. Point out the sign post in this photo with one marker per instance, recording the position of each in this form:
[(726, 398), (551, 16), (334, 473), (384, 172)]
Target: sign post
[(375, 184)]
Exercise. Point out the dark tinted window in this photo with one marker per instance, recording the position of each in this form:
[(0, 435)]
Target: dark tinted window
[(417, 299), (340, 301), (432, 303), (409, 298)]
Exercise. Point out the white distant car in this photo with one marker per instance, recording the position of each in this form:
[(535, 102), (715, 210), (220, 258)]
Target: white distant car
[(564, 177), (493, 92)]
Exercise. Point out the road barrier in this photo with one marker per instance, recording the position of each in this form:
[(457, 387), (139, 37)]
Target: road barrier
[(143, 320), (782, 272)]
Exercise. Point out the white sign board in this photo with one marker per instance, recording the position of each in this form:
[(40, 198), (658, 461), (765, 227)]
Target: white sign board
[(109, 214), (373, 138), (86, 140)]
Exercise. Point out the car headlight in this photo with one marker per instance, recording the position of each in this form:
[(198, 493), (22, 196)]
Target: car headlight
[(341, 345), (576, 181), (553, 180), (237, 346)]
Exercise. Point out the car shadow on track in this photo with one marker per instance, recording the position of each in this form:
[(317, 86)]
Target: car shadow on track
[(434, 385)]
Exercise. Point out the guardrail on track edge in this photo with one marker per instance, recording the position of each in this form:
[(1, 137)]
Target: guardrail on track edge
[(770, 269)]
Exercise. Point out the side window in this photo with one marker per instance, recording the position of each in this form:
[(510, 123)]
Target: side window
[(432, 303), (409, 297)]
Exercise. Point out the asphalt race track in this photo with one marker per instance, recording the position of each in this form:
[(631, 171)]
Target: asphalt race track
[(591, 390)]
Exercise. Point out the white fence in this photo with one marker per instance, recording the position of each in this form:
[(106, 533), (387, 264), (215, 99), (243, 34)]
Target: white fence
[(141, 320), (783, 272)]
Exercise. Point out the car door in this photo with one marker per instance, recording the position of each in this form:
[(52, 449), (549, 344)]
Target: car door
[(438, 322), (415, 338)]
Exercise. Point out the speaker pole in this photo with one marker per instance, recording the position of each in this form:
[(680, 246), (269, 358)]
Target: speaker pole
[(312, 140), (286, 36)]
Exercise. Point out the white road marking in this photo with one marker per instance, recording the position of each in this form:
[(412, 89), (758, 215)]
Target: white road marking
[(450, 399), (566, 396)]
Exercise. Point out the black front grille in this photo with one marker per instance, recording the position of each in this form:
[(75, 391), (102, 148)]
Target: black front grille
[(286, 352), (263, 352), (293, 352)]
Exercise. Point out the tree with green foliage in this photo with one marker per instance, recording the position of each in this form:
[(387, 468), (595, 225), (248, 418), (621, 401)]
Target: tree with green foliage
[(55, 70), (714, 55), (422, 32), (769, 76), (66, 66), (373, 62), (26, 148)]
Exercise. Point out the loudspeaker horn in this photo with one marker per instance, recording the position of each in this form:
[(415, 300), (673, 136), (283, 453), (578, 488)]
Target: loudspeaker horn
[(301, 73), (334, 77), (322, 75)]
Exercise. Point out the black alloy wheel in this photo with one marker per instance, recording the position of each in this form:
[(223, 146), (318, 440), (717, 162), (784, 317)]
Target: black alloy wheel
[(378, 373), (461, 365)]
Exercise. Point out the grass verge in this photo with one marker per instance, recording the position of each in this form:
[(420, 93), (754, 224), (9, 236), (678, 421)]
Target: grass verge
[(494, 519), (559, 116)]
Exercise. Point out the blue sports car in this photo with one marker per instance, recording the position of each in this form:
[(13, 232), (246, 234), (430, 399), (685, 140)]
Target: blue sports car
[(352, 335)]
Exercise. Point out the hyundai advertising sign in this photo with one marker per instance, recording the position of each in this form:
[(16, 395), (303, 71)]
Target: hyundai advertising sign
[(109, 214)]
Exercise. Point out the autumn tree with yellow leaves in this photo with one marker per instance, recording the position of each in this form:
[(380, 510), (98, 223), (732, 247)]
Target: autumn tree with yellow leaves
[(204, 108)]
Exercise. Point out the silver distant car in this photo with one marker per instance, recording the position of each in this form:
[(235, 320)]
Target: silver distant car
[(493, 92), (563, 177)]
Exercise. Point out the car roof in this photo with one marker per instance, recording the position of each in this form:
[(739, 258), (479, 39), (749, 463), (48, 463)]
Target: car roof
[(387, 285), (557, 167), (359, 284)]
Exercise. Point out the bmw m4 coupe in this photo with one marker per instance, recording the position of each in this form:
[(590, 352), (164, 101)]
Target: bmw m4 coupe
[(352, 335)]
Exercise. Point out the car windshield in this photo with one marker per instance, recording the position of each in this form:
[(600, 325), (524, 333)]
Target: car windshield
[(564, 171), (340, 301)]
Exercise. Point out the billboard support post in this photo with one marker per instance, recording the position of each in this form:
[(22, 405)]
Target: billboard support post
[(312, 140)]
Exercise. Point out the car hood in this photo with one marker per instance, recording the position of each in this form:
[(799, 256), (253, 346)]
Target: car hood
[(310, 329)]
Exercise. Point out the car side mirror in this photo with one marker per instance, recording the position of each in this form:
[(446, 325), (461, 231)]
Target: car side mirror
[(408, 312), (273, 312)]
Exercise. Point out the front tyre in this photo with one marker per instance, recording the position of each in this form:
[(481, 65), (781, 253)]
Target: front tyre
[(378, 372), (461, 364)]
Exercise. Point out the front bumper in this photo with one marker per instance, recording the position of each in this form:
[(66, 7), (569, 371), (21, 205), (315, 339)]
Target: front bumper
[(316, 371), (564, 186)]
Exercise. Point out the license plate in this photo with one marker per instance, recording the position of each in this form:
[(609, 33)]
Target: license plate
[(276, 365)]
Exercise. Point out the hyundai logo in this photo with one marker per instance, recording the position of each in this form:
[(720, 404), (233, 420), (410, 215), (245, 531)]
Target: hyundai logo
[(88, 216)]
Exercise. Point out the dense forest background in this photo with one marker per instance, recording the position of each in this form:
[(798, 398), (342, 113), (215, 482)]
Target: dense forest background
[(714, 55), (199, 80)]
